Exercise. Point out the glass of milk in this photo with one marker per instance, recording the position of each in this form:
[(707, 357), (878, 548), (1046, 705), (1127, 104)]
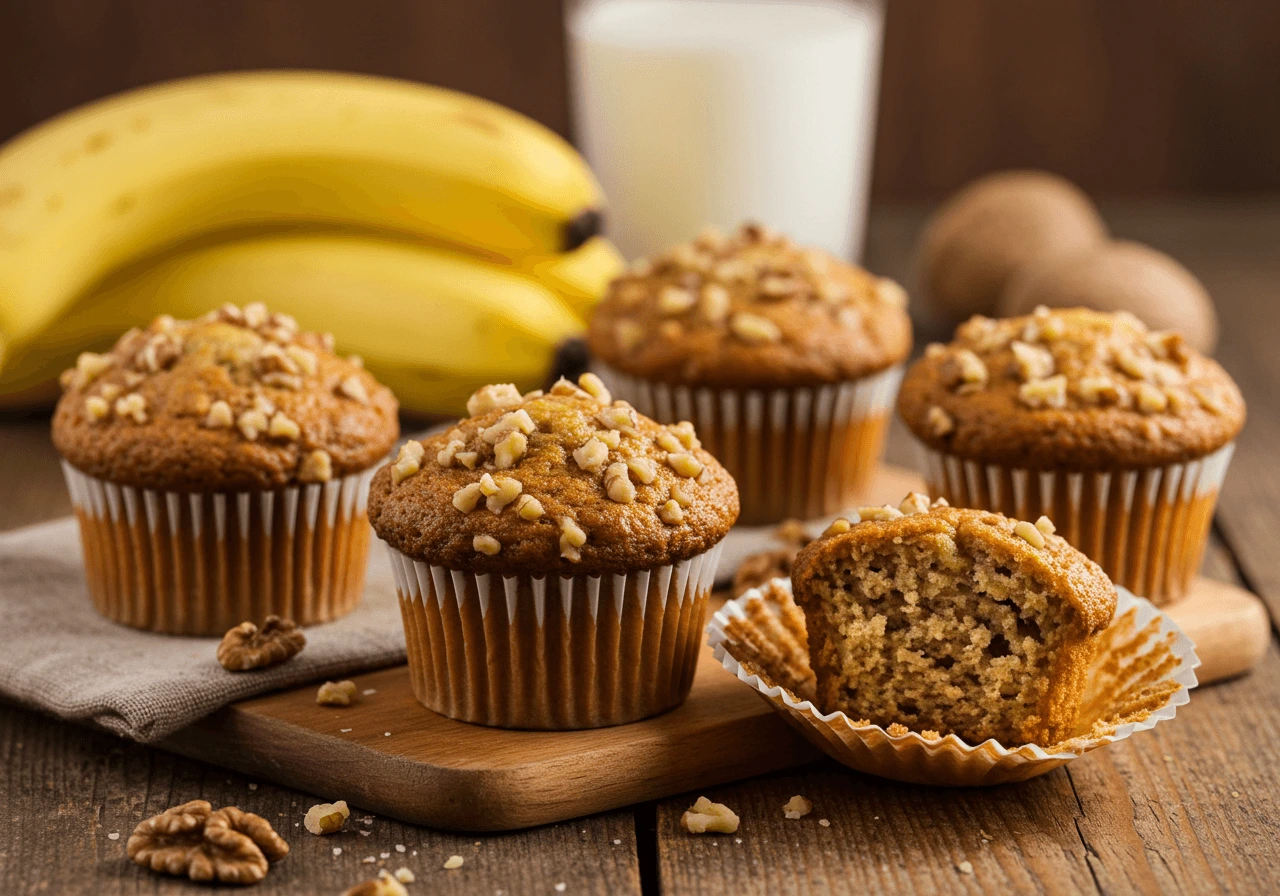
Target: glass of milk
[(712, 112)]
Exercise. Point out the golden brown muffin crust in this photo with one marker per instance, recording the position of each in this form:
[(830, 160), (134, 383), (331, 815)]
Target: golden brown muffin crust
[(1073, 389), (1068, 572), (584, 486), (750, 310), (238, 400)]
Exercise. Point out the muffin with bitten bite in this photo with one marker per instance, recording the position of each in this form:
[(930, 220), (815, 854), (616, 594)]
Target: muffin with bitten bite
[(553, 556), (219, 469), (1119, 434), (784, 357), (953, 621)]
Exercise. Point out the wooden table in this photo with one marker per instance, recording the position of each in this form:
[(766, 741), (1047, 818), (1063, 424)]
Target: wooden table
[(1192, 806)]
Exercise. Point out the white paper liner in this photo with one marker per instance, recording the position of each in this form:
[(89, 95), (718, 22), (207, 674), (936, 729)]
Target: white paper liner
[(948, 761), (553, 652), (1146, 528), (196, 563), (795, 453)]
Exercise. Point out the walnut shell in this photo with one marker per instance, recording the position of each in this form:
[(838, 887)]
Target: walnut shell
[(247, 647)]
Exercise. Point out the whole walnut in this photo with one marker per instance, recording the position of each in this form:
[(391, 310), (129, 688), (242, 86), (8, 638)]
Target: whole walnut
[(229, 846), (248, 647)]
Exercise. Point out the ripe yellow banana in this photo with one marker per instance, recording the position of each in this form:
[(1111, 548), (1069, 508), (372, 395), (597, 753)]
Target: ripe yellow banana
[(120, 179), (580, 277), (434, 326)]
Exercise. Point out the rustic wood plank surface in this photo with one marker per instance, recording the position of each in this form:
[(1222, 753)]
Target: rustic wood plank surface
[(1190, 807)]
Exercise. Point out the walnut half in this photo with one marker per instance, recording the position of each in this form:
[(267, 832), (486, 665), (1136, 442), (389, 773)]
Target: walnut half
[(191, 840), (247, 647)]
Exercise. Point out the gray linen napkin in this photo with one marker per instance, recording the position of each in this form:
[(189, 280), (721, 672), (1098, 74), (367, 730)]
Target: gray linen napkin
[(60, 656)]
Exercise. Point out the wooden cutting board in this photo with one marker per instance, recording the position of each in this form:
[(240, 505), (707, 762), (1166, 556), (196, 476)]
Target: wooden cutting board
[(389, 754)]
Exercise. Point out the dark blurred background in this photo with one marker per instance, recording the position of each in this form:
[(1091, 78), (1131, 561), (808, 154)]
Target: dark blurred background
[(1126, 97)]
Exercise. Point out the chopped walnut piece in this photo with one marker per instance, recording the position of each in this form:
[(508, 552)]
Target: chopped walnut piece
[(671, 512), (90, 366), (304, 358), (1133, 365), (705, 816), (713, 303), (731, 270), (408, 461), (515, 421), (272, 359), (159, 352), (571, 539), (281, 427), (529, 508), (914, 502), (336, 693), (486, 544), (684, 464), (1168, 345), (883, 512), (1210, 399), (611, 437), (110, 391), (1032, 362), (469, 459), (591, 455), (797, 807), (446, 455), (685, 432), (1045, 525), (256, 314), (669, 442), (675, 300), (264, 404), (629, 334), (891, 293), (289, 381), (248, 647), (133, 406), (939, 422), (644, 469), (508, 451), (779, 286), (964, 371), (618, 485), (754, 328), (219, 416), (499, 491), (682, 492), (251, 424), (620, 417), (564, 388), (327, 818), (404, 875), (453, 862), (839, 527), (353, 387), (1029, 533), (501, 396), (1046, 393), (316, 467), (595, 387), (1151, 399), (1100, 390), (384, 886), (467, 497), (97, 408)]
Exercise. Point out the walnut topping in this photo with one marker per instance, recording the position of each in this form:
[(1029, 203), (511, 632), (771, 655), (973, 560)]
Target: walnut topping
[(251, 424), (220, 416), (90, 366), (884, 512), (668, 441), (779, 286), (1210, 399), (510, 450), (469, 459), (682, 492), (592, 455), (304, 358), (705, 816), (754, 328), (133, 406), (964, 371), (264, 404), (1151, 399), (327, 818), (564, 388), (408, 461), (514, 421), (158, 353), (491, 398), (445, 456), (1046, 393), (675, 300), (1032, 362), (713, 303), (914, 502), (247, 647), (1029, 533), (939, 422), (486, 544), (610, 437), (1045, 525), (629, 334), (289, 381), (272, 359), (282, 427), (797, 807), (1134, 365), (571, 539), (499, 491), (684, 464), (671, 513), (353, 387), (467, 497), (316, 467), (336, 693), (96, 407), (1101, 390), (621, 417), (256, 314), (594, 386), (618, 485), (838, 527), (685, 432), (644, 469), (529, 508), (110, 391)]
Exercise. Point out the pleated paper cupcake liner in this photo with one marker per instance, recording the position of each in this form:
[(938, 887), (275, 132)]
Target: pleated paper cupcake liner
[(1143, 672), (1146, 528), (795, 453), (190, 563), (553, 652)]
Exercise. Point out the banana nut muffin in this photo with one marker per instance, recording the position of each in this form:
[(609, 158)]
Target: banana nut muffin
[(952, 620), (1119, 434), (784, 357), (563, 541), (219, 469)]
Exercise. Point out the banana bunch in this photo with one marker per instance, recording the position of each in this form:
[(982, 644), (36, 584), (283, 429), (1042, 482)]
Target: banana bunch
[(447, 240)]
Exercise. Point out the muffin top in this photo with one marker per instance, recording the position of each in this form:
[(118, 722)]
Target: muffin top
[(567, 482), (235, 401), (750, 310), (1024, 548), (1070, 389)]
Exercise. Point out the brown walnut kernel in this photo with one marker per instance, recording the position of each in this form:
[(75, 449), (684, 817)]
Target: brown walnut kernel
[(228, 846), (247, 647)]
